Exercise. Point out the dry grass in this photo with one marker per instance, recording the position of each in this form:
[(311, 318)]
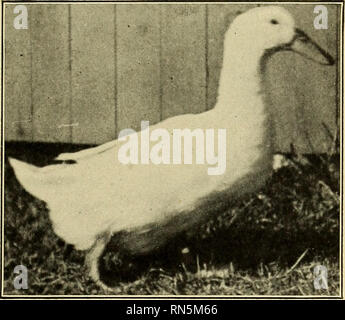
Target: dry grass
[(266, 244)]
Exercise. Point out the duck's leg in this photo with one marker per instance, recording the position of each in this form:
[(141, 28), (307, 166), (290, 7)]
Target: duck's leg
[(92, 259)]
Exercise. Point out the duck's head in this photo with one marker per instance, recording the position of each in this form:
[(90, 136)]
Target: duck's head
[(272, 28)]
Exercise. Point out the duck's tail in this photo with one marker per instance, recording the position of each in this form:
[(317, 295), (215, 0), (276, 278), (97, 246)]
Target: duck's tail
[(40, 182)]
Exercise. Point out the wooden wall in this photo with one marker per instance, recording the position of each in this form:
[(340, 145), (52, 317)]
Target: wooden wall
[(82, 72)]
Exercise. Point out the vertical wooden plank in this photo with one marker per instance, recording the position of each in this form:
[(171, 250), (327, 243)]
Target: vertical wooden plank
[(317, 90), (138, 65), (50, 73), (220, 16), (281, 97), (17, 82), (183, 59), (93, 72)]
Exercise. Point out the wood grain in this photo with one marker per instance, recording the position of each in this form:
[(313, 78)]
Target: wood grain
[(50, 72), (138, 63), (183, 60), (17, 82), (93, 73)]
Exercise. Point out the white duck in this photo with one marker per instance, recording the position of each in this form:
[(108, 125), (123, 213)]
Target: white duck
[(98, 196)]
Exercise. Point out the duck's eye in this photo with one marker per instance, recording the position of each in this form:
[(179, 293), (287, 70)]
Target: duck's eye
[(274, 21)]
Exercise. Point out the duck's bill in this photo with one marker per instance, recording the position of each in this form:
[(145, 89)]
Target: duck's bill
[(306, 47)]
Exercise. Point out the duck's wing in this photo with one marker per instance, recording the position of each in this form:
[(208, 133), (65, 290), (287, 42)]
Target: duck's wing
[(179, 121), (86, 153)]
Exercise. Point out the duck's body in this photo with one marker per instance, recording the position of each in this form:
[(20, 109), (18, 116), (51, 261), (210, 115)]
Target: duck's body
[(99, 196)]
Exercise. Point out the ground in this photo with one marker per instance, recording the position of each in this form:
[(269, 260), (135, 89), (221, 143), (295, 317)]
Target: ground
[(265, 244)]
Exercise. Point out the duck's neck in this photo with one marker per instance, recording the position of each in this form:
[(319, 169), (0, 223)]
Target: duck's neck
[(240, 104), (240, 81)]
